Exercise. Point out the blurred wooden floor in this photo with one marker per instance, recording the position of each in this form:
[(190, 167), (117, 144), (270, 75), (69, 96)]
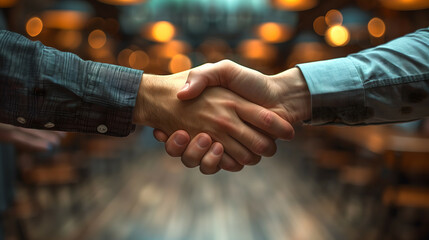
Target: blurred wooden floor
[(155, 197)]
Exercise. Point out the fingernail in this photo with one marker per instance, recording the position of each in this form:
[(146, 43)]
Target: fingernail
[(180, 140), (203, 142), (186, 86), (217, 150)]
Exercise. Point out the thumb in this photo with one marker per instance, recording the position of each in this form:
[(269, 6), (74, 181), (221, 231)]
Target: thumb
[(196, 83)]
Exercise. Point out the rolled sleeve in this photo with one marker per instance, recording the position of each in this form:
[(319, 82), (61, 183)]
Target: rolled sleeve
[(337, 93)]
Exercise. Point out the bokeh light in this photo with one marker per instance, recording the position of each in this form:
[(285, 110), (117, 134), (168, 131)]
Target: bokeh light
[(320, 26), (376, 27), (34, 26), (138, 59), (337, 36), (179, 63), (65, 19), (333, 17), (215, 49), (163, 31), (69, 39), (295, 5), (97, 39), (124, 57), (405, 5), (256, 50), (7, 3), (274, 32)]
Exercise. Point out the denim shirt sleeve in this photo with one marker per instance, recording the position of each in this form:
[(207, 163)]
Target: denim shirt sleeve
[(388, 83), (44, 88)]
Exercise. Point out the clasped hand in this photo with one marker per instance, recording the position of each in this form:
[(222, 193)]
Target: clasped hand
[(219, 128)]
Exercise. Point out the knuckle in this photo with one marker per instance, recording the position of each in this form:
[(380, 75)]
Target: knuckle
[(266, 118), (225, 62), (261, 146)]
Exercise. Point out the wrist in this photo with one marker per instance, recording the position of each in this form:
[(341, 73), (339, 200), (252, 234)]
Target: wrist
[(156, 98), (294, 94), (143, 108)]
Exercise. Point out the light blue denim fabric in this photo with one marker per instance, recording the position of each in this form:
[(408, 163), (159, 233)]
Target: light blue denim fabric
[(387, 83)]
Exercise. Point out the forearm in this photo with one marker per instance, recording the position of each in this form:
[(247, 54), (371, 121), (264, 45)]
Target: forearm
[(388, 83), (48, 89)]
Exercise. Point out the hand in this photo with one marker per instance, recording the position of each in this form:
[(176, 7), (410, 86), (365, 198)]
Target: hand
[(218, 113), (285, 93), (30, 139)]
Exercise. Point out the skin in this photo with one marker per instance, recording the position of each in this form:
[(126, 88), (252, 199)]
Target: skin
[(235, 131), (286, 94)]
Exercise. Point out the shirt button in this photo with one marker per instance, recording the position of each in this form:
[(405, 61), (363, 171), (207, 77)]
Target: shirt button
[(21, 120), (102, 128), (49, 125)]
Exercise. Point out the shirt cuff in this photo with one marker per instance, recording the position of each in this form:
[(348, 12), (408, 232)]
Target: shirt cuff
[(337, 93), (91, 97)]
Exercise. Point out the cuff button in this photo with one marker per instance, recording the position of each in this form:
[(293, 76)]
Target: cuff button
[(21, 120), (102, 128), (49, 125)]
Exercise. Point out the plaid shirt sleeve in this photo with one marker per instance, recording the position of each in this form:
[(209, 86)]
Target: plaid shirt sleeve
[(388, 83), (41, 87)]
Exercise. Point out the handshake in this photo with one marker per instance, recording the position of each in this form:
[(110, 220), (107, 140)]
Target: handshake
[(222, 115)]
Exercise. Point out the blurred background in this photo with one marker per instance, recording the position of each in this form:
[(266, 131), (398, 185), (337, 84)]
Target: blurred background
[(329, 183)]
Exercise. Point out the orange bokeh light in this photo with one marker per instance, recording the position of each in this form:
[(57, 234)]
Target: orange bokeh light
[(34, 26), (65, 19), (179, 63), (97, 39), (274, 32), (337, 36), (163, 31), (256, 50), (320, 26), (376, 27), (405, 5), (69, 39), (7, 3), (295, 5), (138, 59), (333, 17), (124, 57)]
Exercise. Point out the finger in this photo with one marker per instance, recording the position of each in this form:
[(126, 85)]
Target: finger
[(250, 138), (211, 160), (229, 164), (239, 152), (176, 144), (196, 150), (265, 120), (160, 135)]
